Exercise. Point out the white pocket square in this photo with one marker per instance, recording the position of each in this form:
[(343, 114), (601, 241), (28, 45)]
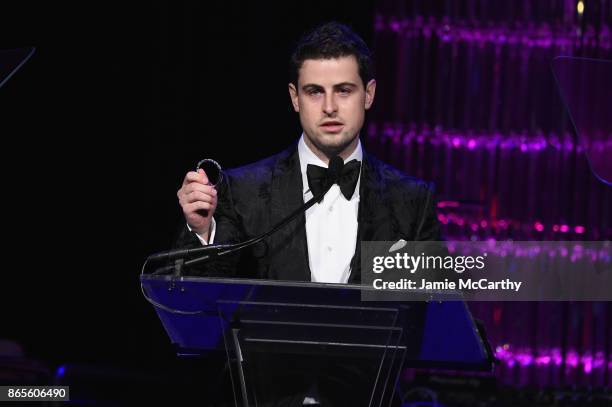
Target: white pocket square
[(398, 245)]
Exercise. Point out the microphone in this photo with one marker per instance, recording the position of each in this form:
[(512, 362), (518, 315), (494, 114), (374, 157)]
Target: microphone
[(336, 164), (173, 254), (334, 169)]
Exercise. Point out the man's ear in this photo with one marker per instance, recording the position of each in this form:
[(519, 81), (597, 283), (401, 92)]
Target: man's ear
[(294, 97), (370, 91)]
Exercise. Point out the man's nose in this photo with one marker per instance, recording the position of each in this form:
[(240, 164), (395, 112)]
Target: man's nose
[(329, 106)]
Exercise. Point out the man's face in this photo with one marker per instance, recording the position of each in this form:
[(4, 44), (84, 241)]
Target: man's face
[(331, 101)]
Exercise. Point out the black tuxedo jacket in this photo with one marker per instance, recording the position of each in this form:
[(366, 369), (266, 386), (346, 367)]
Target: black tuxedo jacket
[(253, 198)]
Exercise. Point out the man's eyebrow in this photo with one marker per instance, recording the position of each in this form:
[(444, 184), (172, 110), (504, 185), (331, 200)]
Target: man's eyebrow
[(345, 84), (311, 86), (336, 86)]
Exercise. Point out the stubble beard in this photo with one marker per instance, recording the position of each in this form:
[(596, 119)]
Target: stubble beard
[(331, 151)]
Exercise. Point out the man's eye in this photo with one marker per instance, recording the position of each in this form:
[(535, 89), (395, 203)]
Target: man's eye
[(314, 92), (345, 91)]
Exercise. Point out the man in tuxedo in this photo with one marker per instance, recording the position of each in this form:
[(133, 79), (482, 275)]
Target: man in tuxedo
[(331, 89)]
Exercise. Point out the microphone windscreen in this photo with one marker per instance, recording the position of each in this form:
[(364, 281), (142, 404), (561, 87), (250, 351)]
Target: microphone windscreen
[(336, 164)]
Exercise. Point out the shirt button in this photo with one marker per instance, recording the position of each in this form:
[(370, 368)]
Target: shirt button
[(331, 208), (329, 248)]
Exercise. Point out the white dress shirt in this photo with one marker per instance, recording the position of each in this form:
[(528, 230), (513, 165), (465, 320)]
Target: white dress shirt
[(331, 225)]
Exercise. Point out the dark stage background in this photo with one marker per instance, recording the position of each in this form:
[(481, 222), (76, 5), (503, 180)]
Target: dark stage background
[(120, 100)]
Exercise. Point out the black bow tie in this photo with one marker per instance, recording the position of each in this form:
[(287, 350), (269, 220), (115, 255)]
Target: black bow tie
[(319, 178)]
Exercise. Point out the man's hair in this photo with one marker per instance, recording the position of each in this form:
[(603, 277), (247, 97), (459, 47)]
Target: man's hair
[(327, 41)]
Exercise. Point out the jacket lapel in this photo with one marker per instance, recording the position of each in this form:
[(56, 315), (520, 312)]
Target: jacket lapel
[(373, 212), (289, 248)]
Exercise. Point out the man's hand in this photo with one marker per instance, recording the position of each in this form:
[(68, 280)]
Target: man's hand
[(198, 201)]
